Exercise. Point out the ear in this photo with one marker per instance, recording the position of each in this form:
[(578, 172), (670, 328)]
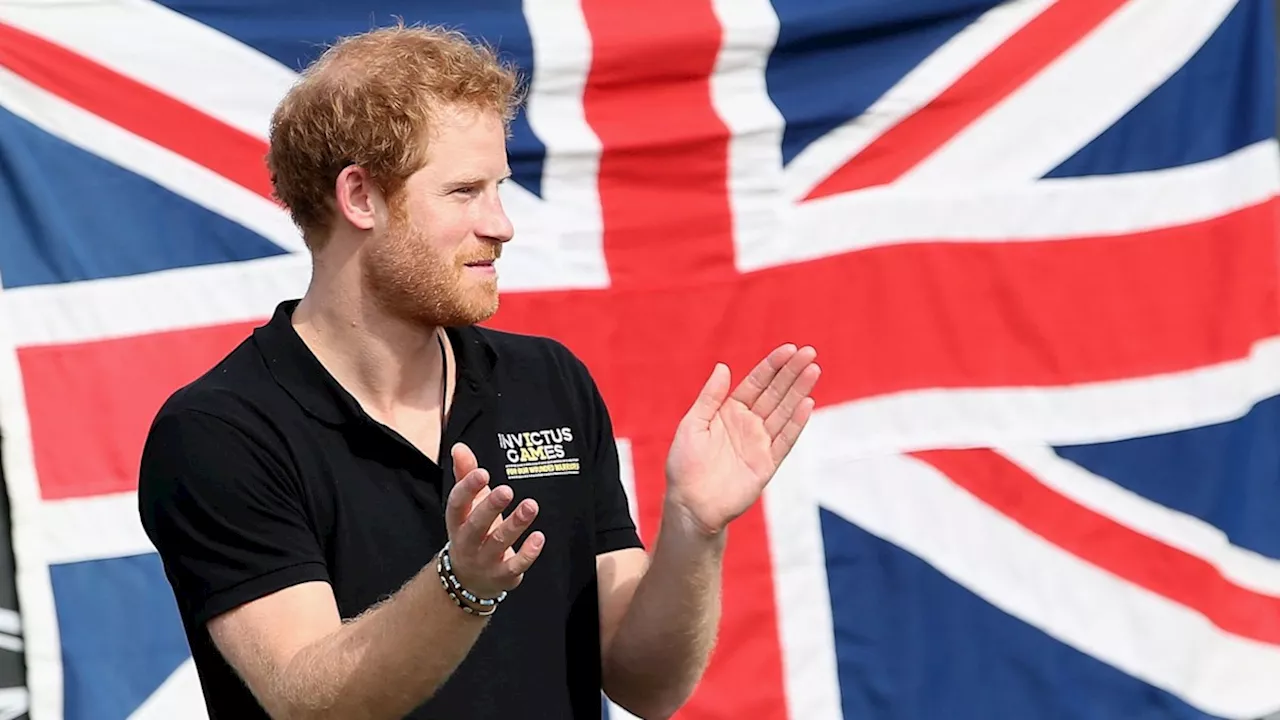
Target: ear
[(357, 197)]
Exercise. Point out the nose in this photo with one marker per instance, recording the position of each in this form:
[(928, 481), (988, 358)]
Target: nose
[(493, 223)]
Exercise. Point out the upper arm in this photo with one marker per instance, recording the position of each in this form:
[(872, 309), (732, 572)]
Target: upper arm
[(621, 559), (261, 637), (618, 573), (229, 523), (615, 527)]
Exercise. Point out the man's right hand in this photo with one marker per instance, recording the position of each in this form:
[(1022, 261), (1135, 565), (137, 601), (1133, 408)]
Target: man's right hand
[(480, 538), (301, 659)]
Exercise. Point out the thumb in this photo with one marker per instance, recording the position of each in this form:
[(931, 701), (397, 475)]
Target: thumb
[(713, 394), (464, 461)]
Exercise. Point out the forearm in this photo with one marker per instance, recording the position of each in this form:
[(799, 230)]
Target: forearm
[(660, 650), (385, 662)]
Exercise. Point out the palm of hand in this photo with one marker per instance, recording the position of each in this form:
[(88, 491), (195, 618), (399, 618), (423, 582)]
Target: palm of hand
[(728, 448)]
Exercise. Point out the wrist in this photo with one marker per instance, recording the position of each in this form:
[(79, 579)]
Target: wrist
[(466, 599), (679, 519)]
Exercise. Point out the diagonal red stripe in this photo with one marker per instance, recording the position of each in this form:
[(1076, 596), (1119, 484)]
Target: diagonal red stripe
[(141, 110), (1099, 540), (988, 83)]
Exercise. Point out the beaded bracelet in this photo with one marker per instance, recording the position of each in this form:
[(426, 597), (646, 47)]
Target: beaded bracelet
[(444, 568)]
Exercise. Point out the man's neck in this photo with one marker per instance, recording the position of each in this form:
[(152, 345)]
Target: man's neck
[(385, 362)]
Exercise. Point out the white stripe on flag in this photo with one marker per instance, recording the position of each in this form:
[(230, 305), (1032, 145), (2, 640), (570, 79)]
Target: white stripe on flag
[(14, 703), (740, 93), (116, 528), (10, 621), (155, 302), (179, 696), (571, 168), (1084, 413)]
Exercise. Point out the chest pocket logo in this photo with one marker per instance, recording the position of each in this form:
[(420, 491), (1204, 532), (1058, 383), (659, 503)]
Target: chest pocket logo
[(539, 453)]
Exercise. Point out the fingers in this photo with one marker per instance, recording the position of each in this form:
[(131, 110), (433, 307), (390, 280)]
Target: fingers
[(506, 532), (464, 461), (481, 538), (784, 381), (519, 563), (799, 391), (790, 431), (482, 554), (478, 524), (758, 380), (462, 498)]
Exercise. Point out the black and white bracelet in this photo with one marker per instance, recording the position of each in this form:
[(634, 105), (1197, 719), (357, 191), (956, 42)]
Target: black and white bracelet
[(444, 568)]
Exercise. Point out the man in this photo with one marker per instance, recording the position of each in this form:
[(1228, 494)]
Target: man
[(374, 508)]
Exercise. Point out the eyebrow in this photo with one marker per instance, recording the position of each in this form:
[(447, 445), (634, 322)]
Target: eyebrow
[(471, 180)]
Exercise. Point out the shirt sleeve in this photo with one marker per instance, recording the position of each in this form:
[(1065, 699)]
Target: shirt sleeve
[(615, 529), (226, 516)]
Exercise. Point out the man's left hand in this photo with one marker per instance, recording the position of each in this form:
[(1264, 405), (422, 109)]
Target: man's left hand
[(728, 447)]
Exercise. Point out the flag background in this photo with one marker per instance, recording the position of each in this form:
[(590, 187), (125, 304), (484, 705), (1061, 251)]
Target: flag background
[(1033, 241)]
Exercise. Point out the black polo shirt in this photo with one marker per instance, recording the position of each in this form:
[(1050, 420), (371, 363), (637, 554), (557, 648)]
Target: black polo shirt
[(265, 472)]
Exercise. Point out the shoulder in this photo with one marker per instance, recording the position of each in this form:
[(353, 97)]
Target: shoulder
[(223, 418), (238, 392), (537, 356), (212, 462)]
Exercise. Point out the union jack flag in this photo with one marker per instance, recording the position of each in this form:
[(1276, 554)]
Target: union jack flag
[(1034, 242)]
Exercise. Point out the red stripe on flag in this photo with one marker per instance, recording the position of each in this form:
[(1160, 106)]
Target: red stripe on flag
[(891, 318), (664, 167), (1101, 541), (91, 404), (140, 109), (941, 315), (663, 186), (985, 85)]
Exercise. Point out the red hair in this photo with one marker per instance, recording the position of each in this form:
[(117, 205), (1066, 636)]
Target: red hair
[(369, 101)]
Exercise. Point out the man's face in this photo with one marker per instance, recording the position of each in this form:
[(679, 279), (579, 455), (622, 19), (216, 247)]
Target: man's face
[(433, 264)]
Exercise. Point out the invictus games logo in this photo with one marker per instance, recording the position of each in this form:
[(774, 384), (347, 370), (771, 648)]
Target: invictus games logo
[(539, 453)]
